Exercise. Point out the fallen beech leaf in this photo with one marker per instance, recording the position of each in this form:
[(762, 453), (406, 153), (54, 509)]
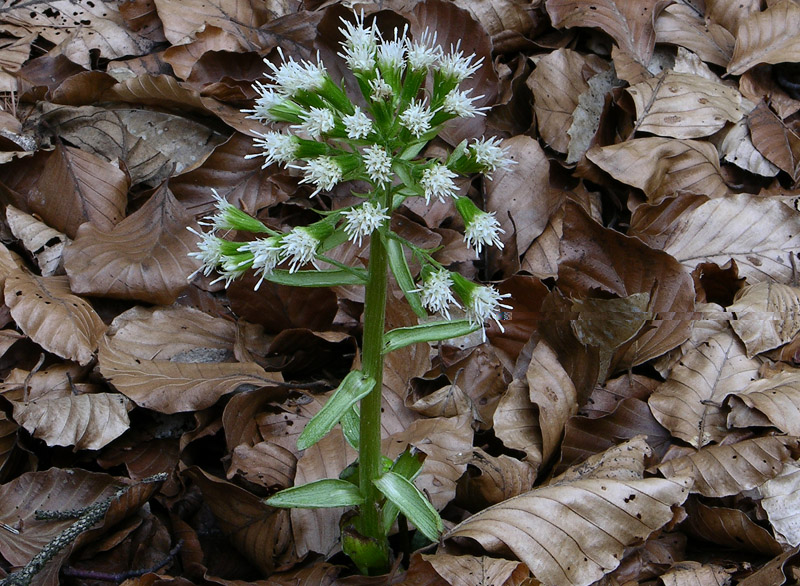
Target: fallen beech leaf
[(575, 533), (776, 398), (683, 25), (45, 244), (587, 114), (493, 479), (516, 422), (689, 403), (464, 569), (541, 258), (780, 497), (623, 461), (49, 314), (779, 143), (759, 233), (143, 257), (766, 315), (211, 38), (630, 24), (268, 464), (662, 167), (767, 37), (730, 14), (729, 527), (88, 422), (718, 471), (737, 147), (691, 572), (682, 105), (557, 83)]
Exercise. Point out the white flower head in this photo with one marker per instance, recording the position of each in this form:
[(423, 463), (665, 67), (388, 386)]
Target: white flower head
[(276, 148), (488, 153), (378, 164), (317, 121), (291, 76), (380, 89), (436, 294), (209, 252), (484, 303), (437, 181), (266, 256), (323, 172), (424, 52), (484, 229), (391, 54), (417, 118), (460, 104), (362, 220), (456, 66), (358, 125), (229, 217), (298, 247), (266, 100), (360, 44)]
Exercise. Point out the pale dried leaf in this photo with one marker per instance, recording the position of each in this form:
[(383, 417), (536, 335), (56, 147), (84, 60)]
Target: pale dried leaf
[(718, 471), (575, 533), (780, 498), (87, 422), (493, 479), (266, 463), (144, 257), (465, 569), (586, 116), (541, 258), (45, 244), (691, 573), (662, 166), (211, 38), (776, 400), (730, 528), (767, 37), (49, 314), (622, 462), (682, 105), (516, 422), (689, 403), (730, 14), (681, 25), (779, 143), (737, 147), (767, 315)]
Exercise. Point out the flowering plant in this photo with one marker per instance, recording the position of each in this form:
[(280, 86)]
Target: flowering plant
[(377, 141)]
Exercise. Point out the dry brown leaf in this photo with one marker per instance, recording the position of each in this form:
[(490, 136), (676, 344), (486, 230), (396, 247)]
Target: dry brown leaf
[(776, 400), (465, 569), (516, 423), (683, 25), (267, 464), (45, 244), (682, 105), (557, 83), (211, 38), (172, 387), (737, 147), (689, 403), (143, 257), (575, 533), (87, 422), (630, 24), (780, 498), (493, 479), (623, 461), (50, 315), (767, 37), (718, 471), (779, 143), (449, 400), (730, 14), (662, 167), (541, 258), (729, 527), (691, 573), (766, 315)]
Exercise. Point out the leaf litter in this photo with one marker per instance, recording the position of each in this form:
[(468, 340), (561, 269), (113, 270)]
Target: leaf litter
[(637, 419)]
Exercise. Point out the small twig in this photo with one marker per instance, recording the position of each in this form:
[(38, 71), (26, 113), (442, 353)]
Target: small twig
[(122, 576), (34, 370)]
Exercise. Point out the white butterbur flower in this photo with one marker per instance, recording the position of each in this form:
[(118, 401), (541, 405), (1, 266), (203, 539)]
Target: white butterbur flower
[(209, 252), (484, 303), (391, 54), (357, 125), (290, 76), (266, 100), (484, 229), (436, 294), (266, 256), (317, 121), (460, 104), (423, 53), (360, 44), (417, 118), (378, 164), (438, 182), (229, 217), (298, 247), (380, 89), (276, 148), (487, 153), (456, 66), (361, 221), (323, 172)]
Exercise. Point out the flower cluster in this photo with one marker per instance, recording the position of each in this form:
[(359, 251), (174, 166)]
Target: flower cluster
[(331, 140)]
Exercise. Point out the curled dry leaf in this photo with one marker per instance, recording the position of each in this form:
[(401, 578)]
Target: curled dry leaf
[(766, 315), (730, 14), (662, 167), (737, 147), (87, 422), (516, 422), (760, 234), (463, 570), (44, 243), (776, 399), (682, 25), (729, 527), (587, 114), (779, 143), (683, 105), (689, 403), (577, 532), (50, 315), (780, 498), (718, 471), (767, 37), (623, 461), (493, 479), (143, 257), (691, 572)]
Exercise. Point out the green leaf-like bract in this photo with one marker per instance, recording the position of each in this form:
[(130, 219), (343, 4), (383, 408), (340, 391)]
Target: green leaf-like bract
[(322, 494), (429, 332), (413, 504)]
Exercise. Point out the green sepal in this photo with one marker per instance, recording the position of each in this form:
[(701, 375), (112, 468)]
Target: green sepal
[(408, 465), (321, 494), (351, 424), (412, 503), (338, 237), (429, 332), (399, 266), (354, 387), (318, 278)]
